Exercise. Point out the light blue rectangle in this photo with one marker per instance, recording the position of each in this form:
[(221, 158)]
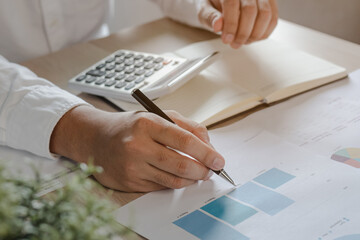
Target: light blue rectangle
[(273, 178), (205, 227), (229, 210), (262, 198), (349, 237)]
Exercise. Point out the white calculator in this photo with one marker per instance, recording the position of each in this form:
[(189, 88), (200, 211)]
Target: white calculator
[(156, 75)]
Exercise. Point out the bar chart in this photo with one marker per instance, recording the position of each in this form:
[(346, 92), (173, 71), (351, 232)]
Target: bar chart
[(218, 218)]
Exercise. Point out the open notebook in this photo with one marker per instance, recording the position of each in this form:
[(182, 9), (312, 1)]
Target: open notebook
[(260, 73)]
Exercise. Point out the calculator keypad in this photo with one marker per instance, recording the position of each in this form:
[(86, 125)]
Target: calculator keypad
[(124, 67), (124, 70)]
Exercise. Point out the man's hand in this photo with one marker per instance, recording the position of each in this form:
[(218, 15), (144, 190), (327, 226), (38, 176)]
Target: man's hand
[(240, 21), (136, 149)]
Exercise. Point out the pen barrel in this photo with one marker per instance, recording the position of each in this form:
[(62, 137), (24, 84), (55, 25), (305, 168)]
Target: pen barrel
[(149, 105)]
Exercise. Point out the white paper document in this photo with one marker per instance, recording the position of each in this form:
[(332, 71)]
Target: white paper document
[(297, 166)]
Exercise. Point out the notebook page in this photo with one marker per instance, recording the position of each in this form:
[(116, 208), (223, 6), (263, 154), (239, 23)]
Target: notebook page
[(267, 68), (203, 98)]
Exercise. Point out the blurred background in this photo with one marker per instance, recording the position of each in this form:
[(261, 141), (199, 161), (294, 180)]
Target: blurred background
[(340, 18)]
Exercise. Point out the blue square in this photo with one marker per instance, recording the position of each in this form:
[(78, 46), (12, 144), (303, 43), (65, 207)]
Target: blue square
[(273, 178), (229, 210)]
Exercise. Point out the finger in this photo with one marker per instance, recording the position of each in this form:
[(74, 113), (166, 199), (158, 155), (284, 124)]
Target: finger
[(147, 186), (248, 13), (169, 180), (177, 164), (191, 126), (262, 22), (184, 141), (274, 19), (143, 186), (218, 24), (209, 17), (231, 15)]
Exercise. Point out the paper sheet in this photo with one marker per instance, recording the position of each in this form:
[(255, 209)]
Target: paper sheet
[(296, 166)]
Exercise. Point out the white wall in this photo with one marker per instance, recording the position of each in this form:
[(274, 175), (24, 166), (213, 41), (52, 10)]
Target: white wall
[(340, 18), (128, 13)]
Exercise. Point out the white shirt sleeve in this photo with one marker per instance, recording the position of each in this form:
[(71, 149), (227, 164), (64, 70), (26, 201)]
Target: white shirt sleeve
[(30, 108), (185, 11)]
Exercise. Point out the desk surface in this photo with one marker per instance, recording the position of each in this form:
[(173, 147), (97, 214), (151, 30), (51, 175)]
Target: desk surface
[(165, 35)]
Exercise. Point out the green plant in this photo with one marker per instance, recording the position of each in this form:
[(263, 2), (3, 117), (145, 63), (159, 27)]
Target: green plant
[(73, 212)]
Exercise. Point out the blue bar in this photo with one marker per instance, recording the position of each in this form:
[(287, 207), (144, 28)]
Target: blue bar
[(229, 210), (273, 178), (262, 198), (205, 227), (349, 237)]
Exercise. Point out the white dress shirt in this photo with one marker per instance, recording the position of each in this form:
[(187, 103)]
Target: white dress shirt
[(30, 107)]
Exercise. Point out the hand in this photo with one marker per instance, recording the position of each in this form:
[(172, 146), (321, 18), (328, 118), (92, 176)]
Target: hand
[(241, 21), (135, 149)]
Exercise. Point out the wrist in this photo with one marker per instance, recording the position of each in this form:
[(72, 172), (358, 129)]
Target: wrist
[(74, 135)]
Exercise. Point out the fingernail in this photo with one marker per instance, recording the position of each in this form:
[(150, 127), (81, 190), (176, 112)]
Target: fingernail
[(236, 45), (209, 175), (218, 164), (217, 24), (229, 38)]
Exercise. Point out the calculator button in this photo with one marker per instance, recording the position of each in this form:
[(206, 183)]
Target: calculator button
[(158, 67), (80, 78), (130, 78), (110, 83), (90, 79), (140, 72), (110, 75), (100, 81), (167, 61), (139, 64), (119, 54), (148, 58), (139, 79), (158, 60), (110, 60), (119, 61), (129, 70), (130, 86), (150, 65), (129, 55), (120, 85), (120, 76), (96, 73), (137, 57), (101, 66), (129, 62), (149, 73), (120, 69), (111, 67)]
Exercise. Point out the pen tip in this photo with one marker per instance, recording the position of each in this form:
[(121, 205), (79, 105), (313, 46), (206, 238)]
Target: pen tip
[(227, 177)]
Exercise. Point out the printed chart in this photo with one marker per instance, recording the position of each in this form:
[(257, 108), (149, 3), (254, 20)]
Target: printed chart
[(217, 219), (349, 156)]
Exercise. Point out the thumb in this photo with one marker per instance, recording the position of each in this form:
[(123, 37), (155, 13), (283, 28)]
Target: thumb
[(209, 16)]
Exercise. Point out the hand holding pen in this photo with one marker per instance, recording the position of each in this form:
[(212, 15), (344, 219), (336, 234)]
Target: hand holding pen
[(151, 107), (135, 149)]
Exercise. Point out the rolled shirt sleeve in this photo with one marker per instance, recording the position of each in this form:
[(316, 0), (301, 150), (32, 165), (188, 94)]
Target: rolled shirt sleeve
[(185, 11), (30, 108)]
